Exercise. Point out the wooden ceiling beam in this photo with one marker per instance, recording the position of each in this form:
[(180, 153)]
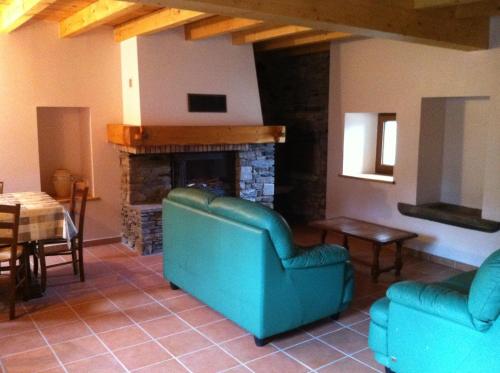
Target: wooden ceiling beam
[(94, 15), (217, 25), (18, 12), (364, 18), (156, 22), (421, 4), (266, 33), (300, 40)]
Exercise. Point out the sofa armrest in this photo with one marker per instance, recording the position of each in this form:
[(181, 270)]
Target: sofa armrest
[(317, 256), (432, 299)]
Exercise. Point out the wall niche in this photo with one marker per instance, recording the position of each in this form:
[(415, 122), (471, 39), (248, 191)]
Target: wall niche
[(64, 142), (451, 162)]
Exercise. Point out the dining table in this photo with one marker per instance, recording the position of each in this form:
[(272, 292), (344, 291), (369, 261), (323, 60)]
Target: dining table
[(42, 218)]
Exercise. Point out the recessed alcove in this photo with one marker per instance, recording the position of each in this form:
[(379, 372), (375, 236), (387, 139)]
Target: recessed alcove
[(451, 162), (64, 142)]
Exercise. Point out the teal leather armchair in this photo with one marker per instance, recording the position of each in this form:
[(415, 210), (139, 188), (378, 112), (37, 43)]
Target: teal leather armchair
[(447, 327), (238, 257)]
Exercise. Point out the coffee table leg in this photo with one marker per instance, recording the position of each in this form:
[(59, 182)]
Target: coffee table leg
[(399, 258), (346, 242), (375, 266), (324, 233)]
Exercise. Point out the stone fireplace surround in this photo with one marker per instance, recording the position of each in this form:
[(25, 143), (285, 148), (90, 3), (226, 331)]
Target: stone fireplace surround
[(146, 178)]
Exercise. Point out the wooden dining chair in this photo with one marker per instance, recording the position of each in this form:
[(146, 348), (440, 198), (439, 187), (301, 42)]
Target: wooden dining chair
[(1, 187), (12, 253), (59, 246)]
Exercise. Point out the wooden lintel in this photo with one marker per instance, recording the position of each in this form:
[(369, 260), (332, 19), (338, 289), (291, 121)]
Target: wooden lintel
[(266, 33), (300, 40), (94, 15), (143, 136), (217, 25), (379, 19), (18, 12), (156, 22)]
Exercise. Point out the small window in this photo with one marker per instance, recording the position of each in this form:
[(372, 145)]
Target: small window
[(386, 144)]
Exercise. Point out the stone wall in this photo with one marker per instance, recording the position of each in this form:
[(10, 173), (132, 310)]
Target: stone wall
[(294, 92), (147, 178)]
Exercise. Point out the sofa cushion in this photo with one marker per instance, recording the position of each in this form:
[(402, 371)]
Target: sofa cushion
[(191, 197), (257, 215), (317, 256), (461, 282), (484, 296)]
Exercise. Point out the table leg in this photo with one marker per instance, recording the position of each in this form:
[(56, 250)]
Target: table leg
[(375, 265), (398, 264), (34, 291), (346, 242), (324, 233)]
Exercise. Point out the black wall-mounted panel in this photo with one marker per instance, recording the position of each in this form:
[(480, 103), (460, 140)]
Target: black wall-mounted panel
[(201, 103)]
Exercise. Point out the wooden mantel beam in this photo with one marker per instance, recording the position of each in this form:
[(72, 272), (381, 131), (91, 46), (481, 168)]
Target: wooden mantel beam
[(359, 17), (217, 25), (266, 33), (421, 4), (94, 15), (18, 12), (148, 136), (156, 22)]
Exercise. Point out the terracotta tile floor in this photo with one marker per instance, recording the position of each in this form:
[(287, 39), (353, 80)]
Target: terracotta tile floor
[(126, 318)]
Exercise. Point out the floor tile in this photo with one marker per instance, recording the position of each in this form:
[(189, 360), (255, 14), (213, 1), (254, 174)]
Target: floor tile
[(352, 316), (244, 348), (82, 296), (181, 303), (346, 340), (77, 349), (200, 316), (346, 365), (98, 364), (289, 339), (221, 331), (57, 334), (164, 326), (210, 360), (94, 308), (130, 299), (146, 312), (21, 342), (322, 327), (169, 366), (19, 325), (185, 342), (362, 327), (163, 291), (314, 353), (141, 355), (276, 363), (41, 358), (55, 317), (124, 337), (108, 321), (366, 356)]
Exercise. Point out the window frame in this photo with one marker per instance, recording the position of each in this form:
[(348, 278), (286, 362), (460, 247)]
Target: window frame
[(381, 168)]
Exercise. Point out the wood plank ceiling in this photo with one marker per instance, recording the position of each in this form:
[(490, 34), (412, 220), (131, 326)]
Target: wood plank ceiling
[(270, 25)]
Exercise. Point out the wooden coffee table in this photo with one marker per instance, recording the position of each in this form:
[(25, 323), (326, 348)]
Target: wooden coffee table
[(378, 235)]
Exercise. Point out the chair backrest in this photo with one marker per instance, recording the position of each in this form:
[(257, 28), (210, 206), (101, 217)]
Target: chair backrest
[(9, 226), (484, 295), (77, 208), (1, 187)]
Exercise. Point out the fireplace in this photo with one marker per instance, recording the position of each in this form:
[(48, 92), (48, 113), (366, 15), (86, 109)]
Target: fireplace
[(227, 160), (212, 171)]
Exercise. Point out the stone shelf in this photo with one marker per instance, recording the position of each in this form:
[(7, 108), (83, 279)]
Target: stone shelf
[(460, 216)]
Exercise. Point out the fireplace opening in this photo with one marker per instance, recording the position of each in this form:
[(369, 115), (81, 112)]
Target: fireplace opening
[(212, 171)]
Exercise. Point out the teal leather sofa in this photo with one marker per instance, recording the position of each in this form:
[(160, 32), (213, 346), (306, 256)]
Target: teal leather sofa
[(447, 327), (238, 257)]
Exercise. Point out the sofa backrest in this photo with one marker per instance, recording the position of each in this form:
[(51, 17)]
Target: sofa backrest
[(484, 296), (197, 198), (259, 216)]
